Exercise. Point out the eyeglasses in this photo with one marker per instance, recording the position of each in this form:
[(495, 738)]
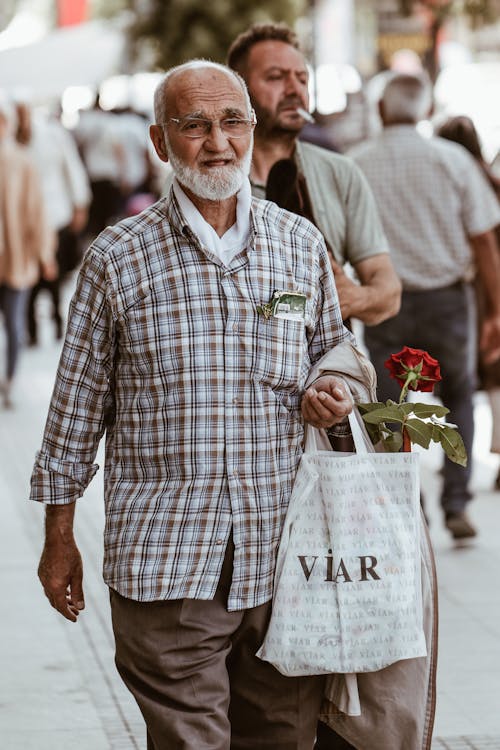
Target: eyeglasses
[(200, 127)]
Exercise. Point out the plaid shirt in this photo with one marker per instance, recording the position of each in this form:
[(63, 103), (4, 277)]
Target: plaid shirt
[(432, 197), (199, 396)]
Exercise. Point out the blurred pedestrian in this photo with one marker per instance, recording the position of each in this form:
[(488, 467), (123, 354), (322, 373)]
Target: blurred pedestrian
[(439, 214), (462, 130), (201, 395), (26, 242), (100, 148), (136, 172), (66, 194), (327, 188)]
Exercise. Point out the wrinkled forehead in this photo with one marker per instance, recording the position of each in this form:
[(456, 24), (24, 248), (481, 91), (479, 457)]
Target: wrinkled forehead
[(204, 91), (273, 53)]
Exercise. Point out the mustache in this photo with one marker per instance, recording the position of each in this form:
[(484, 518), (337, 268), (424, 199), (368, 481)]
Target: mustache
[(290, 101), (215, 157)]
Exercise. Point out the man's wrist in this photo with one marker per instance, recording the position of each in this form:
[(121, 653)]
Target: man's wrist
[(339, 429), (59, 523)]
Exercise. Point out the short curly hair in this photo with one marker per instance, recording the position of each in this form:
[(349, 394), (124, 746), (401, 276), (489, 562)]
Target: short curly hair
[(239, 50)]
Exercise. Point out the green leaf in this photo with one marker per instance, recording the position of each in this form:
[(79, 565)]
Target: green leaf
[(452, 443), (374, 432), (406, 407), (385, 413), (419, 432), (364, 408), (435, 431), (429, 410), (393, 442)]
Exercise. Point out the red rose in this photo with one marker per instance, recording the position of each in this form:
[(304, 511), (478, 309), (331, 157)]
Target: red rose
[(414, 367)]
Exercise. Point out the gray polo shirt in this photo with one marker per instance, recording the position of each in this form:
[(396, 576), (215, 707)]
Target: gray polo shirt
[(342, 202)]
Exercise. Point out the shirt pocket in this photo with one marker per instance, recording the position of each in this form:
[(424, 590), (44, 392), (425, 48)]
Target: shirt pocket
[(281, 352)]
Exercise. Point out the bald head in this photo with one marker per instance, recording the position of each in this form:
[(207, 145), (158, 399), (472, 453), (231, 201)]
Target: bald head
[(192, 73), (406, 99)]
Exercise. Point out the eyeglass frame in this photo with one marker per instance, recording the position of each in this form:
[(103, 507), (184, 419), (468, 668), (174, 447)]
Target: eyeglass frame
[(252, 121)]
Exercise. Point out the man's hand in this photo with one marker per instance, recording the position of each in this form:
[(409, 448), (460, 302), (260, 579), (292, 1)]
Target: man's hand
[(490, 339), (326, 402), (79, 219), (49, 270), (348, 291), (60, 569), (487, 258), (378, 294)]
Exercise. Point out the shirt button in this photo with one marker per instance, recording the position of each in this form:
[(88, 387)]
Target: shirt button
[(219, 542), (235, 328), (235, 400), (235, 473)]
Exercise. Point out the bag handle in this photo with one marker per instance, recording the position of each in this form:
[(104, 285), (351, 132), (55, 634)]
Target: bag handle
[(360, 436), (361, 439), (316, 439)]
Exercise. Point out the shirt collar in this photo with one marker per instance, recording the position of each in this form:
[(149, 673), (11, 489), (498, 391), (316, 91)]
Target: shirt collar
[(236, 237)]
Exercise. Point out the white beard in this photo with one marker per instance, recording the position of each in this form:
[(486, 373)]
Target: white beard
[(219, 184)]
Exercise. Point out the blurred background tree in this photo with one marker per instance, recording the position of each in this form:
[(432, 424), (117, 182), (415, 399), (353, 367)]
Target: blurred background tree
[(438, 11), (476, 10), (169, 32)]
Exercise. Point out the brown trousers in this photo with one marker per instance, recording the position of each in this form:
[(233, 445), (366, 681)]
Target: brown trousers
[(192, 669)]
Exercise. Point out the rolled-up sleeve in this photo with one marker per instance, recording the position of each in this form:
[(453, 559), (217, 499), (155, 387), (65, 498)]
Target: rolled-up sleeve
[(82, 400)]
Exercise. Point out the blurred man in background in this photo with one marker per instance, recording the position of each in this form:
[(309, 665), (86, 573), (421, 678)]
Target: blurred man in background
[(439, 215), (100, 148), (325, 187)]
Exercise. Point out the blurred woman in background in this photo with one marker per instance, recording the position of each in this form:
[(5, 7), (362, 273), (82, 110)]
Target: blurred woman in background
[(462, 130), (26, 242)]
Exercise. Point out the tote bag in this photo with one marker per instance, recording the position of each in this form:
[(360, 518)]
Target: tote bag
[(347, 594)]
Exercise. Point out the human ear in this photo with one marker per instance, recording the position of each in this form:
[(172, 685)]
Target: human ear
[(158, 138)]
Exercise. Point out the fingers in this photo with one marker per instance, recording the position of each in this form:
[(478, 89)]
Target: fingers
[(61, 600), (75, 601), (66, 603), (490, 341), (316, 411), (76, 594), (492, 356), (323, 409), (66, 598)]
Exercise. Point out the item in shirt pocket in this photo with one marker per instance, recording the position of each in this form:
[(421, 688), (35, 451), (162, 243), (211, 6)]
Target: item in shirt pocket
[(285, 305)]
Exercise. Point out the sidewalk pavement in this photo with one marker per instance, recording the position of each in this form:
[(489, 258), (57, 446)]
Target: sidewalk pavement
[(59, 686)]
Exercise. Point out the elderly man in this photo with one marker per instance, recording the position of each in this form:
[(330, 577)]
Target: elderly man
[(182, 347), (325, 187), (438, 213)]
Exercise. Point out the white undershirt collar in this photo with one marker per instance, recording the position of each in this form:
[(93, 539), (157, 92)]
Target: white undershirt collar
[(235, 239)]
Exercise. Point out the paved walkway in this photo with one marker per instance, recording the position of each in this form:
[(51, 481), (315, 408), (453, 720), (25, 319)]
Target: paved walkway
[(59, 688)]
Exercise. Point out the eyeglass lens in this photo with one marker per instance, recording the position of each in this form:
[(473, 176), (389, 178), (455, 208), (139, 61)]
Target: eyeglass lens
[(199, 127)]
